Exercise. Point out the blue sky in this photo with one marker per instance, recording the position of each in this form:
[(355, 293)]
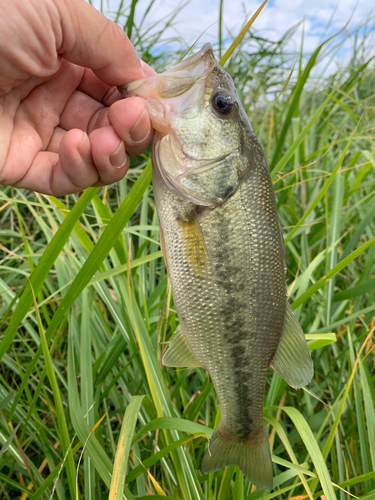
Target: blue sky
[(277, 17)]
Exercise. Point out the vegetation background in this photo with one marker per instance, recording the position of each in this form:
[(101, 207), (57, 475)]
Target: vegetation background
[(86, 409)]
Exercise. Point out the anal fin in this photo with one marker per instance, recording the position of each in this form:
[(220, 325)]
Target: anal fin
[(292, 360), (179, 353)]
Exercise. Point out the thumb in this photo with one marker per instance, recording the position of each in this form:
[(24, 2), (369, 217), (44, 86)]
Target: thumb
[(91, 40)]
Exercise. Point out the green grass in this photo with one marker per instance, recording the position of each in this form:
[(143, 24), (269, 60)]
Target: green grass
[(87, 410)]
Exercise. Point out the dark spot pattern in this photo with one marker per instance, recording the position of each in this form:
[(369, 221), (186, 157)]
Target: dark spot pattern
[(231, 305), (235, 331)]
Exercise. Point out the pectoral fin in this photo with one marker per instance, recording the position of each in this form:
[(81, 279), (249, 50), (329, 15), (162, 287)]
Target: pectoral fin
[(193, 243), (179, 353), (292, 360)]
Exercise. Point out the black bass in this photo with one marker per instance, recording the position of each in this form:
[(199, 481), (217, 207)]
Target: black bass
[(223, 246)]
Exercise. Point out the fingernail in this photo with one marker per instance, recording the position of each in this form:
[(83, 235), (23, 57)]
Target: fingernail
[(119, 158), (141, 129), (84, 148)]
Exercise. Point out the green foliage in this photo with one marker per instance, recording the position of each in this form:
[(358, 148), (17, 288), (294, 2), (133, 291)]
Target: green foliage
[(87, 309)]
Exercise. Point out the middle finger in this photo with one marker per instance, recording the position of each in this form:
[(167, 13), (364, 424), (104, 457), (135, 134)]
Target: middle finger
[(83, 112)]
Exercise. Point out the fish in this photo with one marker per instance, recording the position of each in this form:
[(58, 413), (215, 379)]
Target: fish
[(223, 245)]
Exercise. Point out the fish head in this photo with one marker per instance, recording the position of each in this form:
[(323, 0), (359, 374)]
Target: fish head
[(202, 129)]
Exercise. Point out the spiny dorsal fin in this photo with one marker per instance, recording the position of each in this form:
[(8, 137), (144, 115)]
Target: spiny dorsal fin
[(292, 360), (179, 353)]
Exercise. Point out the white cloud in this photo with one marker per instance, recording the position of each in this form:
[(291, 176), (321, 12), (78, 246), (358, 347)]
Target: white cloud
[(277, 17)]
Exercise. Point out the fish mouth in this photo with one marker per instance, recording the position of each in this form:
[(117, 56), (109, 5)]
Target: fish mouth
[(174, 81)]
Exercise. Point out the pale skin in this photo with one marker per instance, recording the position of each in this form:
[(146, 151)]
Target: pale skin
[(63, 126)]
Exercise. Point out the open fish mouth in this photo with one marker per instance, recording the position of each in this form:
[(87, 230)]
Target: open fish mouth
[(181, 92), (193, 107), (177, 80)]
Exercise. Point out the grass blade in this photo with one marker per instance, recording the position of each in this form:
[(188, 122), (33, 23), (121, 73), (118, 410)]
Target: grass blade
[(45, 264), (323, 190), (240, 36), (339, 267), (123, 447), (63, 427), (296, 98), (313, 450)]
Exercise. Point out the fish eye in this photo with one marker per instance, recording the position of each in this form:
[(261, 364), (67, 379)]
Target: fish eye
[(222, 102)]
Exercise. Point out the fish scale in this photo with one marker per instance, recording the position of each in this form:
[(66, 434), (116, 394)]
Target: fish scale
[(221, 314), (222, 242)]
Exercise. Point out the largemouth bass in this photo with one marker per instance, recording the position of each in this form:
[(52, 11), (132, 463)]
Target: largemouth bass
[(224, 250)]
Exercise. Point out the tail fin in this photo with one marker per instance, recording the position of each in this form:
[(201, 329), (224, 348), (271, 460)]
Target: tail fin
[(252, 456)]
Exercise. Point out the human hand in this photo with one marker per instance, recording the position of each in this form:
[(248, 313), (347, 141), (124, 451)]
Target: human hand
[(62, 125)]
